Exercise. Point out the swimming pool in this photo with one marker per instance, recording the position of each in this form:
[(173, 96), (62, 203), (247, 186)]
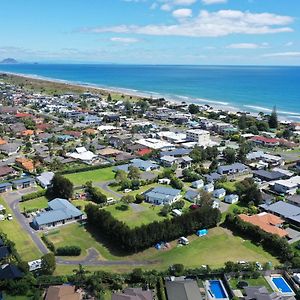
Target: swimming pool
[(217, 289), (282, 285)]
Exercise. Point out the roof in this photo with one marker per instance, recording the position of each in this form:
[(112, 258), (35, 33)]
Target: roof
[(10, 272), (144, 151), (143, 164), (266, 222), (265, 140), (23, 180), (62, 292), (235, 166), (5, 170), (191, 194), (163, 193), (4, 252), (45, 178), (5, 184), (268, 175), (133, 294), (61, 209), (183, 290)]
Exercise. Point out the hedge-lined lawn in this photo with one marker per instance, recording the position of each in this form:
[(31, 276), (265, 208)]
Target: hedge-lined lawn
[(24, 244), (260, 281), (134, 218), (229, 186), (34, 204), (98, 175)]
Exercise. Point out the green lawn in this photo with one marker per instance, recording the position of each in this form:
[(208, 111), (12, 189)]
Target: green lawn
[(260, 281), (9, 297), (98, 175), (229, 186), (133, 218), (34, 204), (24, 244), (215, 249)]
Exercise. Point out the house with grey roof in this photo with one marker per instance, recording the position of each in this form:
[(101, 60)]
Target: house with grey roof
[(59, 212), (198, 184), (10, 148), (23, 183), (219, 193), (261, 293), (133, 294), (231, 199), (162, 195), (192, 196), (232, 169), (5, 187), (143, 165), (183, 289), (44, 179)]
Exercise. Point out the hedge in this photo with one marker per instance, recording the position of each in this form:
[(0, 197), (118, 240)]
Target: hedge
[(68, 251), (48, 243), (33, 195)]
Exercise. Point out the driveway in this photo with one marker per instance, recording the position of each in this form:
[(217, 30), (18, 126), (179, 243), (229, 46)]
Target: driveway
[(12, 199), (105, 187)]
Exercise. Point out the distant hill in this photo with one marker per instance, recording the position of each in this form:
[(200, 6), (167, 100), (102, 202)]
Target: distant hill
[(9, 61)]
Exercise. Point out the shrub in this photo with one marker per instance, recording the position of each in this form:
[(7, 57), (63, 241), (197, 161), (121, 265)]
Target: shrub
[(48, 243), (68, 251), (33, 195)]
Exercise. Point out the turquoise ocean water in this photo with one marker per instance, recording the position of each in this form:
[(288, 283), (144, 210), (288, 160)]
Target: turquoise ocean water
[(248, 88)]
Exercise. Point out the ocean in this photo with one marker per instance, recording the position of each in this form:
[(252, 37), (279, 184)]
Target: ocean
[(247, 88)]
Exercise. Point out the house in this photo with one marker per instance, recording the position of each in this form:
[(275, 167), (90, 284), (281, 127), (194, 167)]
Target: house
[(10, 148), (267, 142), (231, 199), (5, 187), (164, 181), (267, 222), (143, 165), (155, 144), (26, 164), (192, 196), (63, 292), (201, 137), (212, 177), (133, 294), (59, 212), (168, 161), (261, 293), (6, 171), (270, 159), (209, 188), (216, 204), (84, 155), (232, 169), (219, 193), (288, 186), (9, 271), (44, 180), (162, 195), (183, 289), (198, 184), (23, 183), (268, 175), (288, 211), (294, 199), (178, 152)]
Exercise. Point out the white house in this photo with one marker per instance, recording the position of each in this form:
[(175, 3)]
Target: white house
[(198, 184), (219, 193), (162, 195), (201, 137), (231, 199), (209, 188), (45, 179), (288, 186), (82, 154)]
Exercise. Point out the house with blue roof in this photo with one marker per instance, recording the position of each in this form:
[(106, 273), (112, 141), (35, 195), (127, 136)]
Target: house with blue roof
[(192, 196), (59, 212), (23, 183), (143, 165), (162, 195), (5, 187), (219, 193)]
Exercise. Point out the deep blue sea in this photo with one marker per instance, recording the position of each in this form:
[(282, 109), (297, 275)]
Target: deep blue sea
[(248, 88)]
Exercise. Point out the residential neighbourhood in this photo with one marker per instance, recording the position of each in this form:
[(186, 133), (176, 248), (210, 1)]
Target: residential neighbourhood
[(116, 183)]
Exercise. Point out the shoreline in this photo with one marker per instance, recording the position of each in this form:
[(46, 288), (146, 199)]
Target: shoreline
[(215, 104)]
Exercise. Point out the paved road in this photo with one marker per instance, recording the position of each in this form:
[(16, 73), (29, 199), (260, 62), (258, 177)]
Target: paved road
[(12, 199), (105, 186), (92, 259)]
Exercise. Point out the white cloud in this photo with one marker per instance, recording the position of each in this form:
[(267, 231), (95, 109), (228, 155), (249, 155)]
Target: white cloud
[(182, 13), (289, 44), (210, 24), (209, 2), (124, 40), (283, 54), (247, 46), (166, 7)]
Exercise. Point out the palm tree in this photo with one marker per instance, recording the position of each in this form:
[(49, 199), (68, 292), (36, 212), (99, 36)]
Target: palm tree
[(80, 274)]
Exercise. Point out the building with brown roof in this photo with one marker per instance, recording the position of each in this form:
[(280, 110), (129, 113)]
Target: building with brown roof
[(267, 222), (133, 294), (25, 163), (62, 292)]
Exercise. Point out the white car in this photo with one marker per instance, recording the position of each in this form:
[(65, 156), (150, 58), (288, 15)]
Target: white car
[(127, 190), (9, 217)]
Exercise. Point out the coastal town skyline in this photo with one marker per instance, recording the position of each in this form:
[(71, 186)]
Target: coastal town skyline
[(152, 32)]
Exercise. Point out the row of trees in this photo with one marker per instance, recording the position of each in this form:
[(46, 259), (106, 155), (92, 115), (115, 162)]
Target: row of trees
[(272, 243), (94, 193), (139, 238)]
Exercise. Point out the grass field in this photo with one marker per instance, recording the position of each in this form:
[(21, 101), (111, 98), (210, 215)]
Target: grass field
[(229, 186), (215, 249), (34, 204), (133, 218), (260, 281), (24, 244), (98, 175)]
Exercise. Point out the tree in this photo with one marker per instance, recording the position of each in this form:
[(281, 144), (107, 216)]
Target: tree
[(61, 187), (134, 172), (205, 198), (128, 199), (242, 122), (229, 155), (80, 275), (120, 176), (48, 265), (109, 98), (193, 109), (273, 119), (176, 183), (248, 191)]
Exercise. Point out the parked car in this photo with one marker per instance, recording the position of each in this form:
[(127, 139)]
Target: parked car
[(9, 217)]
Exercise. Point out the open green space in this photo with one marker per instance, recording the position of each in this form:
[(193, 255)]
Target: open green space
[(260, 281), (229, 186), (99, 175), (34, 204), (145, 214), (215, 249), (24, 244)]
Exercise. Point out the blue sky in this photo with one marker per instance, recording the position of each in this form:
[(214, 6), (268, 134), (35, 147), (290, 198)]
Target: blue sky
[(152, 31)]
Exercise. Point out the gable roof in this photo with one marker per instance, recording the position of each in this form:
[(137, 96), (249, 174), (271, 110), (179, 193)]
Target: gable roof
[(62, 292), (183, 290)]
